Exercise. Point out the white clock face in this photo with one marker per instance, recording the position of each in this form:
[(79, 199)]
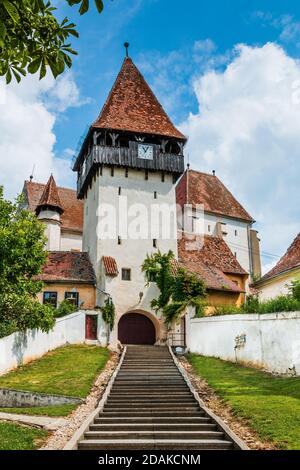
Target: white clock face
[(145, 151)]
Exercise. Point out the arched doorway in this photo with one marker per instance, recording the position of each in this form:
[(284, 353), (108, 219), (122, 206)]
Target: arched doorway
[(135, 328)]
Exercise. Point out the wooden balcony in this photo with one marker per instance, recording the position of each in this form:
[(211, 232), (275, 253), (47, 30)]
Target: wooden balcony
[(127, 158)]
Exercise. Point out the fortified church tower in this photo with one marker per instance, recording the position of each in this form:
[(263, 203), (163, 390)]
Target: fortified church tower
[(132, 154)]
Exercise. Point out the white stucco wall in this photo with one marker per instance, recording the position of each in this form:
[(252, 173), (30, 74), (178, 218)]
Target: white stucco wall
[(236, 237), (132, 252), (277, 285), (70, 241), (271, 341), (20, 348)]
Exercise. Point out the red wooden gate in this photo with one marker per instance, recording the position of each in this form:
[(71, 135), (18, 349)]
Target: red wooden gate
[(91, 326), (135, 328)]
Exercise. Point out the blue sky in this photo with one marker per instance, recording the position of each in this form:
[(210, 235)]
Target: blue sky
[(227, 72), (158, 28)]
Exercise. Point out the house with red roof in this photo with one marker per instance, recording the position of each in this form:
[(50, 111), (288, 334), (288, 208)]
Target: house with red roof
[(278, 280)]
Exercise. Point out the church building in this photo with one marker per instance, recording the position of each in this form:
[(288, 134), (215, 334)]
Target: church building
[(131, 168)]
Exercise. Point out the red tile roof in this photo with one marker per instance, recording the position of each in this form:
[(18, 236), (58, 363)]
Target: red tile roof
[(290, 260), (132, 106), (201, 188), (72, 217), (68, 266), (50, 197), (110, 266), (211, 258)]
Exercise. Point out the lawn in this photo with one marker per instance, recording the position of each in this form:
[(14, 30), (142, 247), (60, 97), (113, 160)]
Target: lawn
[(270, 404), (70, 370), (16, 437)]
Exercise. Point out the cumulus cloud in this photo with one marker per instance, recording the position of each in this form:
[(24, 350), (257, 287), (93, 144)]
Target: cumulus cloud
[(28, 112), (247, 129)]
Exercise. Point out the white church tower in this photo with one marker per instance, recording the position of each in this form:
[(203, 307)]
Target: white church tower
[(129, 163)]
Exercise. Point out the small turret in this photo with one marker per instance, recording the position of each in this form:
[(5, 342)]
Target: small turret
[(49, 210)]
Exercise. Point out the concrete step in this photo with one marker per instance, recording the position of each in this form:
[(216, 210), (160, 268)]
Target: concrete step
[(157, 435), (180, 427), (153, 420), (161, 412), (158, 399), (151, 444), (146, 406)]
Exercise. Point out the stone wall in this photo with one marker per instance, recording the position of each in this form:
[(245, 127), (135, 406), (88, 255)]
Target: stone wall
[(21, 348), (269, 341)]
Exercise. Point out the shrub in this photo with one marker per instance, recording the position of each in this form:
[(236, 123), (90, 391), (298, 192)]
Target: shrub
[(65, 308), (294, 289)]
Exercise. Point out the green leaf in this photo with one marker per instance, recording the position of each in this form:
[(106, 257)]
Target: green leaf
[(84, 7), (11, 10), (8, 76), (99, 5), (34, 66), (17, 76), (2, 31)]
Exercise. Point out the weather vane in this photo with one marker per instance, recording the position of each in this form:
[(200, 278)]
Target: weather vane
[(126, 45)]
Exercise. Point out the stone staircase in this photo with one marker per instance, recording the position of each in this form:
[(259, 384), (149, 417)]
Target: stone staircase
[(150, 406)]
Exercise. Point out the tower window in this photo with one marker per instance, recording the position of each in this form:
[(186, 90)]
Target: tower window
[(162, 177), (101, 170), (112, 171), (154, 243), (235, 254), (119, 241), (126, 172), (208, 228), (146, 175), (155, 194), (120, 190), (235, 233), (126, 274)]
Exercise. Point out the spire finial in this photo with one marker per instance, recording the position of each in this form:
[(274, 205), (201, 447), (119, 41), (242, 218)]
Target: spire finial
[(126, 45)]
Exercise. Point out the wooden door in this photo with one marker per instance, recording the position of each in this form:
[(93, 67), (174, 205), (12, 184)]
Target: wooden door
[(91, 326), (135, 328)]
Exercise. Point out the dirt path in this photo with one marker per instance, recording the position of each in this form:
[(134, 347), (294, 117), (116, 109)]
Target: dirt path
[(60, 437), (238, 425)]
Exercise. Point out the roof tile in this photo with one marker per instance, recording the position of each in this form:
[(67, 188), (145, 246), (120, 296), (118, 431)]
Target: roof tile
[(110, 266), (211, 258), (290, 260), (197, 188), (132, 106), (72, 217), (68, 266)]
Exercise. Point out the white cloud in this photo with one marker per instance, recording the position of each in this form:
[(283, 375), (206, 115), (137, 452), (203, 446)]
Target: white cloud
[(247, 129), (27, 118)]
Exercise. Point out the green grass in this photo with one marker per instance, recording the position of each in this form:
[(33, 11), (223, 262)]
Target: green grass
[(270, 404), (70, 370), (60, 410), (16, 437)]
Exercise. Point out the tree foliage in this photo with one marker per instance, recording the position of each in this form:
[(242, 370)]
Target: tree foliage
[(108, 313), (157, 268), (178, 289), (32, 39), (22, 256)]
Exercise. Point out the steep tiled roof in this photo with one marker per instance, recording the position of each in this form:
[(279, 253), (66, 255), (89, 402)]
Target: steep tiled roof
[(110, 266), (72, 217), (290, 260), (50, 197), (68, 266), (132, 106), (211, 258), (201, 188)]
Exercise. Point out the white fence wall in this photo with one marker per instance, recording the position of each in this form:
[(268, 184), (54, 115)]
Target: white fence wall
[(271, 341), (20, 348)]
